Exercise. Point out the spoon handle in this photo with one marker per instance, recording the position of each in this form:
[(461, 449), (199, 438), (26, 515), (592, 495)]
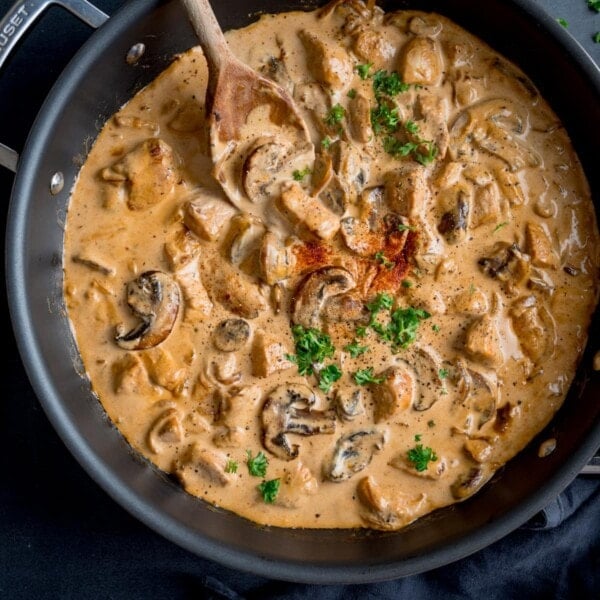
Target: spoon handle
[(209, 33)]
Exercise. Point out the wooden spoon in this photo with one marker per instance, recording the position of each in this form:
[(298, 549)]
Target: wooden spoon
[(234, 92)]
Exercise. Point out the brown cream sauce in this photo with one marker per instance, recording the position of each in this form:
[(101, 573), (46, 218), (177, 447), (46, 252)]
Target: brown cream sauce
[(497, 242)]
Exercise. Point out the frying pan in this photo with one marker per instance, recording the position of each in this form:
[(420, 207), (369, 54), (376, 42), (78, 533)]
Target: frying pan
[(97, 82)]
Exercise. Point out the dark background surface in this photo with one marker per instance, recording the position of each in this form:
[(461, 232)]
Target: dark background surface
[(61, 536)]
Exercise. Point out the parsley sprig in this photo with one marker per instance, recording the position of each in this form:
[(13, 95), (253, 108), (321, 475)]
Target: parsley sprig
[(328, 376), (380, 258), (269, 490), (420, 456), (355, 349), (300, 175), (335, 115), (257, 466), (594, 5), (231, 466), (366, 376), (390, 85)]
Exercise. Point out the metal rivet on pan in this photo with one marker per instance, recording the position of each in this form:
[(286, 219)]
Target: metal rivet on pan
[(135, 53), (57, 183)]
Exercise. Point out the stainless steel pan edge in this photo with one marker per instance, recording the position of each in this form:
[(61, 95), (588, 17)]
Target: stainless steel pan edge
[(34, 280)]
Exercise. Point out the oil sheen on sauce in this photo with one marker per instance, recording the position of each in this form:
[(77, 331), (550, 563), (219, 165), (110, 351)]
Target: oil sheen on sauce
[(442, 235)]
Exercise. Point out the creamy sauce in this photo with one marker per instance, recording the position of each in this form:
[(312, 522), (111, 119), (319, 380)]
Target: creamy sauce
[(183, 305)]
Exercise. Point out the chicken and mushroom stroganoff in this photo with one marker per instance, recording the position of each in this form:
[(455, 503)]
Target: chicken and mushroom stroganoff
[(376, 324)]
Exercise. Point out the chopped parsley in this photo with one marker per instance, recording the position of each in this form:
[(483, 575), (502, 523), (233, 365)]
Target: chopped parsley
[(365, 376), (381, 302), (411, 127), (423, 151), (325, 143), (355, 349), (418, 437), (269, 490), (361, 331), (443, 373), (404, 324), (231, 466), (500, 226), (327, 377), (380, 258), (384, 118), (351, 93), (407, 283), (431, 423), (435, 328), (420, 456), (300, 175), (312, 346), (257, 466), (403, 227), (594, 5), (596, 37), (335, 116), (563, 22), (363, 70), (388, 85)]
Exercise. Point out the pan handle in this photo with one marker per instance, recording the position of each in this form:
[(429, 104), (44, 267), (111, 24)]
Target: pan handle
[(19, 18)]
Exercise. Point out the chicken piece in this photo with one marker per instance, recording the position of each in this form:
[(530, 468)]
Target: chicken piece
[(148, 172), (328, 62), (317, 103), (276, 259), (486, 206), (539, 246), (470, 302), (406, 190), (236, 291), (236, 414), (372, 47), (479, 450), (534, 327), (352, 167), (164, 371), (197, 302), (433, 122), (421, 62), (207, 213), (269, 354), (131, 377), (181, 249), (396, 393), (359, 118), (298, 485), (388, 509), (202, 464), (482, 342), (308, 212)]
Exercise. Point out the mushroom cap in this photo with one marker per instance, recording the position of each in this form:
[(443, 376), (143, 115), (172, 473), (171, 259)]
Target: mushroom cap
[(153, 297), (231, 334), (314, 291)]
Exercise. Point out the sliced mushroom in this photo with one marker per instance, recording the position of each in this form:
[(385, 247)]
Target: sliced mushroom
[(504, 417), (478, 392), (154, 298), (421, 62), (353, 453), (274, 68), (201, 463), (165, 431), (262, 170), (231, 335), (453, 224), (388, 509), (430, 385), (479, 450), (425, 25), (506, 263), (470, 482), (328, 62), (289, 409), (494, 127), (345, 308), (314, 291), (307, 212), (316, 103), (365, 235), (349, 403), (397, 392), (352, 167)]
